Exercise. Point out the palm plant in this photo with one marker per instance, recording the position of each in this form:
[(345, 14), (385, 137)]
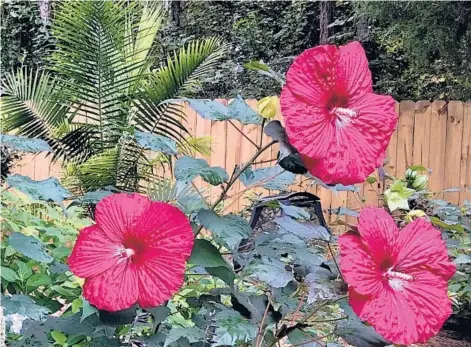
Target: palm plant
[(101, 87)]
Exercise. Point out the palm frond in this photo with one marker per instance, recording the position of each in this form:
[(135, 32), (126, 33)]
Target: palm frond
[(194, 145)]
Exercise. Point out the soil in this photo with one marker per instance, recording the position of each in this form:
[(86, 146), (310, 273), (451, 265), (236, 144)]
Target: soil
[(447, 338)]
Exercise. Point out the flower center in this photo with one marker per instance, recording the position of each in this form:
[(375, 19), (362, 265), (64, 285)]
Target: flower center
[(343, 116), (397, 280)]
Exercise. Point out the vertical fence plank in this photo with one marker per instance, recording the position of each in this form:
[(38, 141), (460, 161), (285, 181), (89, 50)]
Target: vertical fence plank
[(405, 137), (421, 151), (465, 171), (391, 152), (454, 136), (437, 146)]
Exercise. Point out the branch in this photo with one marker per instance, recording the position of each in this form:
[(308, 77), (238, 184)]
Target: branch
[(234, 178)]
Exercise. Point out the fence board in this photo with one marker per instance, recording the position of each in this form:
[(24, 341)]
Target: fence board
[(437, 135)]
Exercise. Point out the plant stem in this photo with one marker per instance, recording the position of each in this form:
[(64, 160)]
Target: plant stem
[(242, 133), (234, 177)]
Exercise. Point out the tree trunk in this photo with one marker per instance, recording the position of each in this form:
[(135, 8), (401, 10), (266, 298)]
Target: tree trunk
[(325, 15)]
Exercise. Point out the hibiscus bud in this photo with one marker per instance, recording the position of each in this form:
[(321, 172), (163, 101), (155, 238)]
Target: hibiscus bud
[(420, 182), (268, 106)]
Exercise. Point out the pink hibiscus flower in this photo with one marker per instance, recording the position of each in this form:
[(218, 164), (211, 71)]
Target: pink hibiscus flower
[(397, 279), (135, 253), (333, 118)]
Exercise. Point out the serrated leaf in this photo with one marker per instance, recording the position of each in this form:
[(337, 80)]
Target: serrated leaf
[(205, 254), (229, 229), (23, 305), (8, 274), (232, 329), (38, 280), (187, 168), (305, 230), (271, 271), (294, 211), (274, 178), (25, 144), (156, 143), (238, 109), (30, 247), (48, 190), (299, 337), (192, 334)]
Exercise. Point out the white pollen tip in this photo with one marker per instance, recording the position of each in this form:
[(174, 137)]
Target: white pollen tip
[(129, 252)]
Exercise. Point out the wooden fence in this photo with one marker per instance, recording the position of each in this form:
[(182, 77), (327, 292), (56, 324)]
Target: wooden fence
[(437, 135)]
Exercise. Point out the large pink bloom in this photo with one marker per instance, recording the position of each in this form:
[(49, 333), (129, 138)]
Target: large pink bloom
[(135, 253), (397, 278), (333, 118)]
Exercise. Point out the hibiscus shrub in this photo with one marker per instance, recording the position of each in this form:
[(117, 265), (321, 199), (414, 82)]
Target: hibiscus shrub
[(172, 269)]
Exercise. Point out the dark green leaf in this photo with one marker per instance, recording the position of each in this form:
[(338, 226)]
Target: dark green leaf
[(24, 271), (159, 313), (38, 280), (187, 168), (344, 211), (24, 306), (304, 338), (229, 229), (238, 109), (30, 247), (205, 254), (356, 333), (25, 144), (224, 273), (275, 178), (271, 271), (87, 310), (94, 197), (8, 274), (192, 334), (232, 329), (305, 230), (156, 143), (48, 190)]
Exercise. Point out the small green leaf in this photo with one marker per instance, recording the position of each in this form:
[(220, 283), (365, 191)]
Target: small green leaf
[(156, 143), (187, 168), (229, 229), (76, 305), (24, 271), (38, 280), (371, 180), (205, 254), (256, 66), (30, 247), (8, 274), (60, 252), (59, 337), (63, 291), (397, 196), (25, 144)]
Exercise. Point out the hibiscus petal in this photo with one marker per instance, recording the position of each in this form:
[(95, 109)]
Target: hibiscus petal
[(308, 127), (353, 71), (379, 232), (411, 315), (93, 253), (421, 245), (358, 268), (159, 277), (166, 228), (118, 213), (115, 289), (358, 147), (312, 74)]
